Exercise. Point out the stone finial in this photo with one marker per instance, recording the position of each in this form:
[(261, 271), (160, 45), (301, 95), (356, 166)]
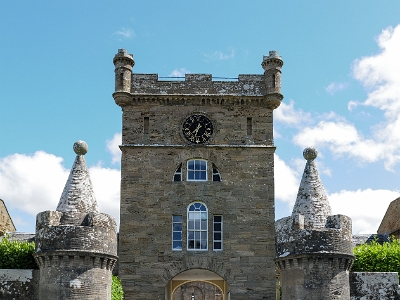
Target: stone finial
[(78, 196), (80, 147), (312, 201), (310, 153)]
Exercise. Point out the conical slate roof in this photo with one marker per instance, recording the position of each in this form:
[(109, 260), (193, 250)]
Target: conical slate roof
[(78, 197), (312, 201)]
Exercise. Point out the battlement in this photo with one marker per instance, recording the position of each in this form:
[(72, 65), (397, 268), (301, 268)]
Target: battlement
[(293, 239), (200, 84), (97, 233)]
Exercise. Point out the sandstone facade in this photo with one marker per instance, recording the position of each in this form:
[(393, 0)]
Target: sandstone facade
[(156, 188)]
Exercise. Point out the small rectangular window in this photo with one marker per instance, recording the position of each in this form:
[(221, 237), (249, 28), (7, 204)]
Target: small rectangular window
[(146, 125), (249, 126), (217, 233), (177, 233)]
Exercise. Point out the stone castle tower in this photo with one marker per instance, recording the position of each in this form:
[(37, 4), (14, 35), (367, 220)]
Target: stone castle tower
[(197, 186), (76, 245), (313, 247)]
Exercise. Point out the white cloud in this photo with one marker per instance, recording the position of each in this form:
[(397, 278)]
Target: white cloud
[(179, 72), (219, 55), (365, 207), (380, 74), (125, 33), (335, 87), (288, 115), (113, 148), (340, 138), (286, 182), (34, 183)]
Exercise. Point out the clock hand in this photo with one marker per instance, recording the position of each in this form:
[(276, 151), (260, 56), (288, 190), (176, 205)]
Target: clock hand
[(197, 129)]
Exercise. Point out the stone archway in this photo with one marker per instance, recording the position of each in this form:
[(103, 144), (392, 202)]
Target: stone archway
[(197, 284)]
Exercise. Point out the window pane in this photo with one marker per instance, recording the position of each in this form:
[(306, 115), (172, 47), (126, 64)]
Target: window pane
[(204, 235), (177, 177), (203, 225), (190, 175), (177, 227), (197, 245), (217, 219), (203, 175), (190, 244), (190, 225), (217, 236), (204, 216), (177, 218), (197, 235), (177, 245), (197, 165), (190, 235), (217, 245), (204, 244), (217, 226), (191, 165), (197, 225), (177, 236), (216, 177)]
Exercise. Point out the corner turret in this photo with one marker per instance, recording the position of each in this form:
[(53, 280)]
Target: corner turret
[(123, 63), (76, 245), (313, 247)]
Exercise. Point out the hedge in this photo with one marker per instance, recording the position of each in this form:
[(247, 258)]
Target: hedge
[(376, 257)]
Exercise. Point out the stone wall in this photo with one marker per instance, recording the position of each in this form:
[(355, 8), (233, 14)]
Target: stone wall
[(374, 285), (19, 284)]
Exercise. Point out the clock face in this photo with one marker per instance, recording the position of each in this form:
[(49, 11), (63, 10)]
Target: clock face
[(197, 129)]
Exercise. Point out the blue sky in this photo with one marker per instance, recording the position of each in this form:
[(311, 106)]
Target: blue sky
[(340, 81)]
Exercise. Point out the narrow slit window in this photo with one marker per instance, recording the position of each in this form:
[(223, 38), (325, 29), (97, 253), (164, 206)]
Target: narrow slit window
[(216, 176), (273, 80), (217, 233), (177, 233), (178, 173), (146, 125), (249, 126)]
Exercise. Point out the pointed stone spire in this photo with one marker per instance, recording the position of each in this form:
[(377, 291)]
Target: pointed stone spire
[(78, 198), (312, 201)]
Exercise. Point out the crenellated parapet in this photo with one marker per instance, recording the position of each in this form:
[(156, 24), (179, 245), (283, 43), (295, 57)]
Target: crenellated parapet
[(293, 239), (202, 89), (97, 233)]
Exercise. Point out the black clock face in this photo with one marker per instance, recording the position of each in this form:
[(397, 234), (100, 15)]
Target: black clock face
[(197, 129)]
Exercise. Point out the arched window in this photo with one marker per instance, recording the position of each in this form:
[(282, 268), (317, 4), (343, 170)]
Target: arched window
[(197, 226), (196, 170)]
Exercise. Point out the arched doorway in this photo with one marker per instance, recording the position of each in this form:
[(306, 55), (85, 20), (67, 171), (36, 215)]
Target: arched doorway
[(197, 284)]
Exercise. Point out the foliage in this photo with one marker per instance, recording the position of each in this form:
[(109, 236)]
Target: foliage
[(375, 257), (17, 254), (117, 292)]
